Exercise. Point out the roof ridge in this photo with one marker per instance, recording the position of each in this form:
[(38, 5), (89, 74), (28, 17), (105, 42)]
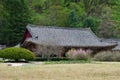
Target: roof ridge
[(94, 35), (56, 27)]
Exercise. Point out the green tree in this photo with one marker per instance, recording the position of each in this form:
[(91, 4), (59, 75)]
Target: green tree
[(16, 16), (92, 23), (95, 7), (73, 19)]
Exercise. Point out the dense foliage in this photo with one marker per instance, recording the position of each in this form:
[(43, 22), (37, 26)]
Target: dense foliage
[(15, 17), (107, 56), (78, 54), (16, 54), (101, 15)]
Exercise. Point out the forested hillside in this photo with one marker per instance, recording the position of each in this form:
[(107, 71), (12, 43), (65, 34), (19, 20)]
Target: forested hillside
[(102, 16)]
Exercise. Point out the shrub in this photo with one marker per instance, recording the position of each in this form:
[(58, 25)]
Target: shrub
[(49, 50), (107, 56), (16, 54), (79, 54)]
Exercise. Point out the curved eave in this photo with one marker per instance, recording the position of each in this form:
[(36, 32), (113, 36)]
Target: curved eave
[(95, 46), (110, 46)]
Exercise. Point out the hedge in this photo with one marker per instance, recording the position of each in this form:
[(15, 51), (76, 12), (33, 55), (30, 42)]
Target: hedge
[(17, 54)]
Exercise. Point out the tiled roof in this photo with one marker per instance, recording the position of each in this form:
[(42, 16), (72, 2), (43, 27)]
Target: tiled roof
[(116, 41), (48, 35)]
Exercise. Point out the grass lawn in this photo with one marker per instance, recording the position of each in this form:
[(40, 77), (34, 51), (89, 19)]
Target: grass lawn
[(83, 71)]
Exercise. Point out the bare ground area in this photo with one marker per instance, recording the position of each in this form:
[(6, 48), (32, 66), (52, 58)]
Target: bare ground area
[(84, 71)]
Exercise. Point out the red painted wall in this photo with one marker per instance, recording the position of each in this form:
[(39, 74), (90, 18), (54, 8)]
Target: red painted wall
[(26, 35)]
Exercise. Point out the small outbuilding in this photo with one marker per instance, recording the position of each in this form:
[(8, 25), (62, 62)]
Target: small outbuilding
[(58, 40), (115, 41), (2, 46)]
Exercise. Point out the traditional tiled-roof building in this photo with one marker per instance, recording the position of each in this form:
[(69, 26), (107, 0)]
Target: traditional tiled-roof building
[(63, 37)]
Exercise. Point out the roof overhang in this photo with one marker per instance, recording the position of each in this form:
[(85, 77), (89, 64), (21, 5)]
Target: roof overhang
[(104, 47)]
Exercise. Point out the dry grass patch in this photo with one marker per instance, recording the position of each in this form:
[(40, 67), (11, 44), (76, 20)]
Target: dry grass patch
[(87, 71)]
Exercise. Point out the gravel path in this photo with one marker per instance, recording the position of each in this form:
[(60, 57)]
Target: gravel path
[(22, 64)]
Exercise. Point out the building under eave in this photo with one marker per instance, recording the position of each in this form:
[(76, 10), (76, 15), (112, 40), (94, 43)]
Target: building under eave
[(115, 41), (2, 47), (36, 37)]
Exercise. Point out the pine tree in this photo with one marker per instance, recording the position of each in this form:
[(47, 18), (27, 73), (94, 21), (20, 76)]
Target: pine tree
[(16, 16)]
